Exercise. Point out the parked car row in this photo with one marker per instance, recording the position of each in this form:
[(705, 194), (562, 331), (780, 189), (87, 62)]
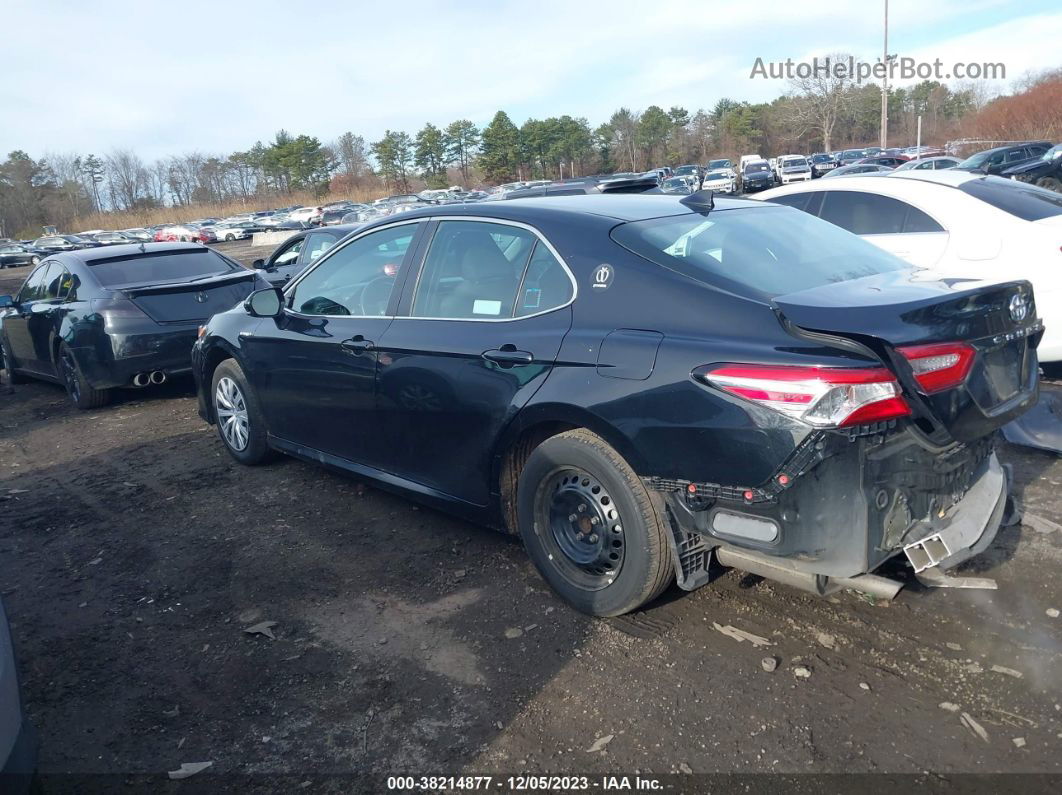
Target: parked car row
[(638, 385)]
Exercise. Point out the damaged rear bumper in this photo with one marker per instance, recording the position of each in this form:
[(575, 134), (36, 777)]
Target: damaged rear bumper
[(844, 509)]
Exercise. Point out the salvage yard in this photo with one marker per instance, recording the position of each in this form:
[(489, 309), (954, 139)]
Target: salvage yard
[(170, 606)]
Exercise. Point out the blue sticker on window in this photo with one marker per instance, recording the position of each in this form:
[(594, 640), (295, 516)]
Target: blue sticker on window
[(532, 298)]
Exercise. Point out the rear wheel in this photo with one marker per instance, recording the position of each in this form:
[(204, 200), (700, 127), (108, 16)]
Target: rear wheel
[(1051, 183), (239, 418), (79, 390), (591, 528)]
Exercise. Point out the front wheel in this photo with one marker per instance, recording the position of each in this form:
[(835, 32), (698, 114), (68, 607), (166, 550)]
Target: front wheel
[(229, 238), (239, 418), (78, 389), (591, 528)]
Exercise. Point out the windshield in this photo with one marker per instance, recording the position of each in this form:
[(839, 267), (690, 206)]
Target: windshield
[(1020, 199), (819, 158), (753, 168), (796, 162), (719, 164), (685, 170), (975, 161), (756, 252), (169, 266), (1052, 153)]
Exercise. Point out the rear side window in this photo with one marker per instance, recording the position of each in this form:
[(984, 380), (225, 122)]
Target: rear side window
[(473, 270), (1020, 199), (170, 266), (756, 252), (546, 284), (798, 201), (871, 214)]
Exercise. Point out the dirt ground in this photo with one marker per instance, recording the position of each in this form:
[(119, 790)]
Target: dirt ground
[(136, 555)]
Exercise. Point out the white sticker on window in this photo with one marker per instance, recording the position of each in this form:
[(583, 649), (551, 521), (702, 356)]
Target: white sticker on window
[(484, 307)]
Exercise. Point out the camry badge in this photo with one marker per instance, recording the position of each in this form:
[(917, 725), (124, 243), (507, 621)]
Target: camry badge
[(202, 298)]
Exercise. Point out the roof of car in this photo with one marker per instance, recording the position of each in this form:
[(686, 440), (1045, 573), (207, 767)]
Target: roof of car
[(620, 206), (89, 255)]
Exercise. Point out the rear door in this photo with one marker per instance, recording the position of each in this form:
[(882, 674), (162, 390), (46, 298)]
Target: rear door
[(476, 336)]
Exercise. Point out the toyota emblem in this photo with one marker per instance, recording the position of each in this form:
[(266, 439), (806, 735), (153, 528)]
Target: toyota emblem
[(201, 298), (1019, 307)]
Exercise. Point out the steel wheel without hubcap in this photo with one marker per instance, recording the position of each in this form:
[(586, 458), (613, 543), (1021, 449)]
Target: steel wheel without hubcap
[(585, 527), (231, 410)]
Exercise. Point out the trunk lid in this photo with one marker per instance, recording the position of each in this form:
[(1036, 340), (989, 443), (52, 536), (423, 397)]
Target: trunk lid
[(194, 301), (901, 308)]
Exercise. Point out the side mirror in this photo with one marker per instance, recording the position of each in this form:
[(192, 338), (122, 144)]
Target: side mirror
[(258, 264), (264, 303), (6, 301)]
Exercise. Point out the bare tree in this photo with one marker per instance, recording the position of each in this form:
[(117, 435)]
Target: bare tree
[(823, 97), (127, 178)]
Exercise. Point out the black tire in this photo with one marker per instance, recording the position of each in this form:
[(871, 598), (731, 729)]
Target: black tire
[(5, 360), (229, 238), (1051, 183), (611, 554), (255, 450), (78, 389)]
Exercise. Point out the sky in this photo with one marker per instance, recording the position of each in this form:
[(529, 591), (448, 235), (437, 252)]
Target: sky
[(215, 77)]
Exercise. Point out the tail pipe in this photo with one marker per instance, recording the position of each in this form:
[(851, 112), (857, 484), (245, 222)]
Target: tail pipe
[(141, 379), (777, 570), (154, 377), (158, 377)]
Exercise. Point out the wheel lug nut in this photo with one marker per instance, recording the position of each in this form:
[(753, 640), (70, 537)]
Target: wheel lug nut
[(572, 517), (594, 520), (593, 538), (582, 508)]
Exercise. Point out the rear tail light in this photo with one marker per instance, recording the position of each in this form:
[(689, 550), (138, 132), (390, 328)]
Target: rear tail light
[(939, 367), (826, 397)]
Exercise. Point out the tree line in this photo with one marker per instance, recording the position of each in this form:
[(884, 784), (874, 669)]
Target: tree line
[(818, 114)]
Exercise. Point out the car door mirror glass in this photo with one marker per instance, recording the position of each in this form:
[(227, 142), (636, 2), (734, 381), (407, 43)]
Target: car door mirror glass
[(264, 303), (258, 264), (6, 301)]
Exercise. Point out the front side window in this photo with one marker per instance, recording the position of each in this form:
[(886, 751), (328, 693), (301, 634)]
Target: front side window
[(33, 287), (358, 278), (289, 255)]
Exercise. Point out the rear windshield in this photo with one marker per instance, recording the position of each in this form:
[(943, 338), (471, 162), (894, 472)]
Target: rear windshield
[(169, 266), (1020, 199), (756, 252)]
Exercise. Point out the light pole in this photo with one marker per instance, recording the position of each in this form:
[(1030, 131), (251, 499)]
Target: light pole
[(885, 83)]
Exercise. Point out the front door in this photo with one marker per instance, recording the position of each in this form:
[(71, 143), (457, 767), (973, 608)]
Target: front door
[(489, 311), (315, 365), (29, 326)]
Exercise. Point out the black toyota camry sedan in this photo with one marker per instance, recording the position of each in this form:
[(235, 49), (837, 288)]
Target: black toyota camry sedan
[(120, 316), (639, 385)]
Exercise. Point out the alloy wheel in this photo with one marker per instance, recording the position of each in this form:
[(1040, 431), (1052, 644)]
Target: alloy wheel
[(231, 409), (70, 379), (585, 528)]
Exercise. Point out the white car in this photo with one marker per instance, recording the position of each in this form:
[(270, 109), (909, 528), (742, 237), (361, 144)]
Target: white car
[(957, 224), (744, 160), (306, 215), (719, 176), (793, 168), (237, 231)]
